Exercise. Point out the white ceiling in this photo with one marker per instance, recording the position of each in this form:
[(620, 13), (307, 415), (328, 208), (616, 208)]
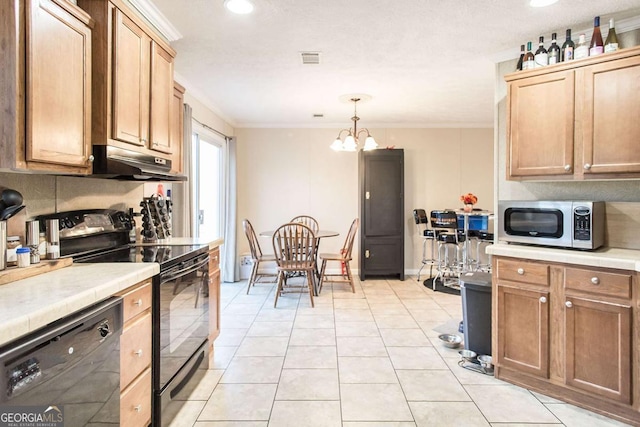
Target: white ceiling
[(424, 62)]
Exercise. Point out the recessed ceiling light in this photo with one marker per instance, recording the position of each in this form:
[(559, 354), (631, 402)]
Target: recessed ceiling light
[(239, 6), (542, 3)]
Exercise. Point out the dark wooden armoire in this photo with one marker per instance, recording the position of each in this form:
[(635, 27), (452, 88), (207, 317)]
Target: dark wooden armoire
[(381, 210)]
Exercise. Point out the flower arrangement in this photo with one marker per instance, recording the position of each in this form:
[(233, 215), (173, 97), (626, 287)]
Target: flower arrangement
[(469, 199)]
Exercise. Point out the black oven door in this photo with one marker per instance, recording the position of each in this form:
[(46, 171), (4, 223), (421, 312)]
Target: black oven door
[(181, 310)]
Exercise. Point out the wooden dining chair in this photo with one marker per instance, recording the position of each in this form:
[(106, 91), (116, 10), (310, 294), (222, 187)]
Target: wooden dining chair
[(256, 254), (294, 246), (307, 220), (344, 257)]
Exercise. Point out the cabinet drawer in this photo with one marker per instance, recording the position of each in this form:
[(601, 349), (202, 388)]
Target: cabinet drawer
[(135, 402), (598, 282), (523, 271), (214, 259), (136, 301), (135, 349)]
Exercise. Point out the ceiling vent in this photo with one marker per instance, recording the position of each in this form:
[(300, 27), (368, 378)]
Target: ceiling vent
[(310, 58), (318, 116)]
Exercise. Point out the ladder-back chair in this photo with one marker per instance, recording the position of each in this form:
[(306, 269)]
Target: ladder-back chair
[(294, 246)]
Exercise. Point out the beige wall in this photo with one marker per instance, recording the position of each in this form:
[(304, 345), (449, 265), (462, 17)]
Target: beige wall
[(286, 172)]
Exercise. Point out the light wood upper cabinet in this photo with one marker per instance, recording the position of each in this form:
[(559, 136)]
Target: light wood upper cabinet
[(46, 87), (133, 81), (610, 123), (177, 125), (131, 72), (575, 120), (540, 125), (161, 99)]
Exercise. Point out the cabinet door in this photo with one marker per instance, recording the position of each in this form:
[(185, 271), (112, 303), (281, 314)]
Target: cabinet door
[(161, 99), (523, 330), (214, 295), (58, 86), (540, 125), (177, 124), (610, 125), (382, 255), (383, 198), (131, 72), (598, 348)]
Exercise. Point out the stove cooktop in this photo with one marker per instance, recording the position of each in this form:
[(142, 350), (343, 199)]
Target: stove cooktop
[(163, 254)]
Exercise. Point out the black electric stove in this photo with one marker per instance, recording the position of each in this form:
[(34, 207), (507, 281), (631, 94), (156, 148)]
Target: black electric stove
[(180, 296), (102, 235)]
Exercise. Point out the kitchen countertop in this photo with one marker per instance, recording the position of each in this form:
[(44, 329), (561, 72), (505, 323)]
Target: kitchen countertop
[(29, 304), (623, 259)]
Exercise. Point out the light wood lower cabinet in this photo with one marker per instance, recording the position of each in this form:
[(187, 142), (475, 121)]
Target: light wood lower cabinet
[(576, 339), (135, 356), (523, 330), (214, 297), (598, 347)]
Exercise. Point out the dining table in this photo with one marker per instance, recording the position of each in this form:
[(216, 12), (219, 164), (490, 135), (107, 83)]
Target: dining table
[(320, 234)]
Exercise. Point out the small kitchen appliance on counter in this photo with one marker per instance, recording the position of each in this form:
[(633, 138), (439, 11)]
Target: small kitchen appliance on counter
[(566, 224), (180, 296)]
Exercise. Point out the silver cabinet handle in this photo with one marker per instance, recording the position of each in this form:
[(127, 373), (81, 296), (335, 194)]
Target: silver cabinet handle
[(521, 271), (138, 302), (137, 408), (144, 141), (138, 353), (587, 166), (595, 280), (543, 300), (569, 304), (567, 168), (91, 158)]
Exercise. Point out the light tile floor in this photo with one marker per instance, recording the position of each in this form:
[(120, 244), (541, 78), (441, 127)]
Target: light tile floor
[(366, 359)]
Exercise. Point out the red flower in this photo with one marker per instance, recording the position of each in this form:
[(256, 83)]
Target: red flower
[(469, 199)]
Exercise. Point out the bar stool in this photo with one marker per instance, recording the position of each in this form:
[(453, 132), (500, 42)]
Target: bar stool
[(428, 235), (449, 239), (483, 238)]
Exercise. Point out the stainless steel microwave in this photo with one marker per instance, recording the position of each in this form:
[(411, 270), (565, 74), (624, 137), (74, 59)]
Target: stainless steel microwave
[(566, 224)]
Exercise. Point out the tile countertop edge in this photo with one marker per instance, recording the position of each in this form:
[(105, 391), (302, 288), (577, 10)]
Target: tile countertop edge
[(29, 304), (621, 259)]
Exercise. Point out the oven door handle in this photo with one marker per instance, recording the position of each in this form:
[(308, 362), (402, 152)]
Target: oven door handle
[(177, 272)]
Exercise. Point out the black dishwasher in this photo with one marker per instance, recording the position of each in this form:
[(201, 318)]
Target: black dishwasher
[(66, 373)]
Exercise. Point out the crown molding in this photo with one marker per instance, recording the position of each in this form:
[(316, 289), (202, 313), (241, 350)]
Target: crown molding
[(152, 14), (622, 26), (369, 126)]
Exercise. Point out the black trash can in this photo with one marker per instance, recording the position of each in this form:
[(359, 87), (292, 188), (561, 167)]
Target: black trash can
[(475, 289)]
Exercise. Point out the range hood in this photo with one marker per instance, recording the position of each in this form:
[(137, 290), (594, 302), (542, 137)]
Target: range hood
[(117, 163)]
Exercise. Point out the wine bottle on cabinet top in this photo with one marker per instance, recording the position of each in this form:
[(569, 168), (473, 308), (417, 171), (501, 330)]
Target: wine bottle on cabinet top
[(541, 57), (554, 50), (582, 50), (528, 61), (597, 46), (521, 59), (611, 44), (566, 53)]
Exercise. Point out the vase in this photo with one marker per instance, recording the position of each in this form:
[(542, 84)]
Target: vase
[(468, 207)]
